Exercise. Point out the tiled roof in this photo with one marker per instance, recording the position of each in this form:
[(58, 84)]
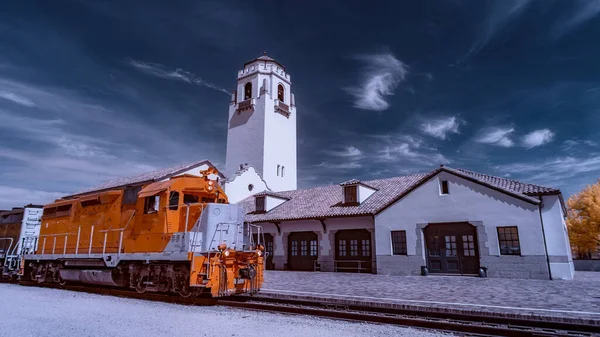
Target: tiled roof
[(273, 194), (156, 175), (350, 182), (325, 201), (509, 184), (264, 57)]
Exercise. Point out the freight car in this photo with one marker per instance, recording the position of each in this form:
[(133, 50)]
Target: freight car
[(16, 226), (175, 236)]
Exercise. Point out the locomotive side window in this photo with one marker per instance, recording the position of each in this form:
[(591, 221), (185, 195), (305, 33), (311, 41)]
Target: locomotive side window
[(190, 199), (174, 201), (130, 195), (151, 204)]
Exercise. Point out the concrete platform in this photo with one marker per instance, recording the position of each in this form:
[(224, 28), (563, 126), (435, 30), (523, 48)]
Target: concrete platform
[(577, 300)]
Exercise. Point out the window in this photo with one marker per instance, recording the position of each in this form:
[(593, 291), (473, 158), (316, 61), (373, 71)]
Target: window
[(260, 204), (366, 247), (399, 243), (451, 245), (280, 93), (190, 199), (313, 248), (353, 247), (174, 201), (303, 248), (282, 169), (444, 185), (342, 247), (294, 248), (508, 238), (278, 169), (350, 194), (250, 187), (248, 91), (130, 195), (151, 204), (468, 245)]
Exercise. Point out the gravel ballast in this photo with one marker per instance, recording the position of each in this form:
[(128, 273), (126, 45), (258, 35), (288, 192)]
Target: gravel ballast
[(32, 311)]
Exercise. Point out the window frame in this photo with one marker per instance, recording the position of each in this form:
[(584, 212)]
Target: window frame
[(507, 241), (281, 94), (247, 95), (260, 201), (399, 244), (444, 187), (353, 193)]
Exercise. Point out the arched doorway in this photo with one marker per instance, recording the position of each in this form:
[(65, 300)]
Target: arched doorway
[(303, 250), (268, 244), (353, 251), (452, 248)]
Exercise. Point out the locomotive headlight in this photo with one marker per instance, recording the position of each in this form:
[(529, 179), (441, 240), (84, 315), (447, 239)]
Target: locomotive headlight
[(226, 253), (259, 253)]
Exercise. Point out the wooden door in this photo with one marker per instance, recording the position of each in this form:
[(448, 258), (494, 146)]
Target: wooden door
[(353, 251), (452, 248), (303, 250)]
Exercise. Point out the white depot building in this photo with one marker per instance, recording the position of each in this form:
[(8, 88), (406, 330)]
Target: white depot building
[(445, 221)]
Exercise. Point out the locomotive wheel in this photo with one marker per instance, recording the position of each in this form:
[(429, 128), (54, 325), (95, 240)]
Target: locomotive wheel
[(140, 287)]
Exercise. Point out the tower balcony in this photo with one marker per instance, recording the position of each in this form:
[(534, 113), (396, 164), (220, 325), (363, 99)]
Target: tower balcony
[(282, 108), (247, 105)]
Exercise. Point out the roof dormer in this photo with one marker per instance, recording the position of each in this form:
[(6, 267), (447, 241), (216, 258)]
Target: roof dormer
[(266, 201), (356, 192)]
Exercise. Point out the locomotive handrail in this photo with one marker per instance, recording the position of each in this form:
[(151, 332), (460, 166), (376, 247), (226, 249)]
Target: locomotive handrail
[(8, 250), (122, 230), (54, 244)]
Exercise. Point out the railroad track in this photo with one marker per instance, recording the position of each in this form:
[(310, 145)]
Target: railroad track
[(453, 323)]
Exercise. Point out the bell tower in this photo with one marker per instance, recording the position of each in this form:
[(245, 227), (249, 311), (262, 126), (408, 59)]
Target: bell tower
[(262, 125)]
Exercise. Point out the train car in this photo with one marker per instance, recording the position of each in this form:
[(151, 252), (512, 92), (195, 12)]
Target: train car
[(16, 226), (174, 236)]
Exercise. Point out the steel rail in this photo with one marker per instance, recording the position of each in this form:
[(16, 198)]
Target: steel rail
[(454, 323)]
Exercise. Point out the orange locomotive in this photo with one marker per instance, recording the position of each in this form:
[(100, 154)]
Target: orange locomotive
[(180, 235)]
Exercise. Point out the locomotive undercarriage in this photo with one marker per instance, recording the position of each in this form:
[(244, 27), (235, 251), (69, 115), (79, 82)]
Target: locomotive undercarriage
[(143, 277)]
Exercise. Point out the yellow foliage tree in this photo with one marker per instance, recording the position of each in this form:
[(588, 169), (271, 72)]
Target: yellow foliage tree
[(583, 220)]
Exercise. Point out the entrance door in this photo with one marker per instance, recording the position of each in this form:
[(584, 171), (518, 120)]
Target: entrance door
[(452, 248), (303, 251), (353, 251), (268, 244)]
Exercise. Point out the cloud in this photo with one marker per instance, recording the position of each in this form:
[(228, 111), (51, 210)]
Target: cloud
[(440, 127), (571, 144), (582, 12), (19, 197), (381, 75), (16, 99), (349, 151), (500, 15), (178, 74), (567, 171), (499, 136), (342, 166), (537, 138)]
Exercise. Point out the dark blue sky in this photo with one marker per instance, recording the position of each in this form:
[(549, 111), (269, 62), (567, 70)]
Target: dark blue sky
[(92, 90)]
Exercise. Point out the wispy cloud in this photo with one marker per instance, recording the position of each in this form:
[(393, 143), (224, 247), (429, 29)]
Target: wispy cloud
[(500, 14), (571, 144), (16, 99), (348, 151), (566, 172), (340, 166), (582, 12), (381, 75), (499, 136), (441, 127), (178, 74), (538, 138)]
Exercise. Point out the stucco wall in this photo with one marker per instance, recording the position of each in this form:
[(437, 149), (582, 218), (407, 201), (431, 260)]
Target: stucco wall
[(238, 189), (466, 202), (557, 239)]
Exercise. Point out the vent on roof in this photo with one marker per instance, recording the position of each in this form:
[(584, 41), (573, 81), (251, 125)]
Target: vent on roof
[(266, 201)]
